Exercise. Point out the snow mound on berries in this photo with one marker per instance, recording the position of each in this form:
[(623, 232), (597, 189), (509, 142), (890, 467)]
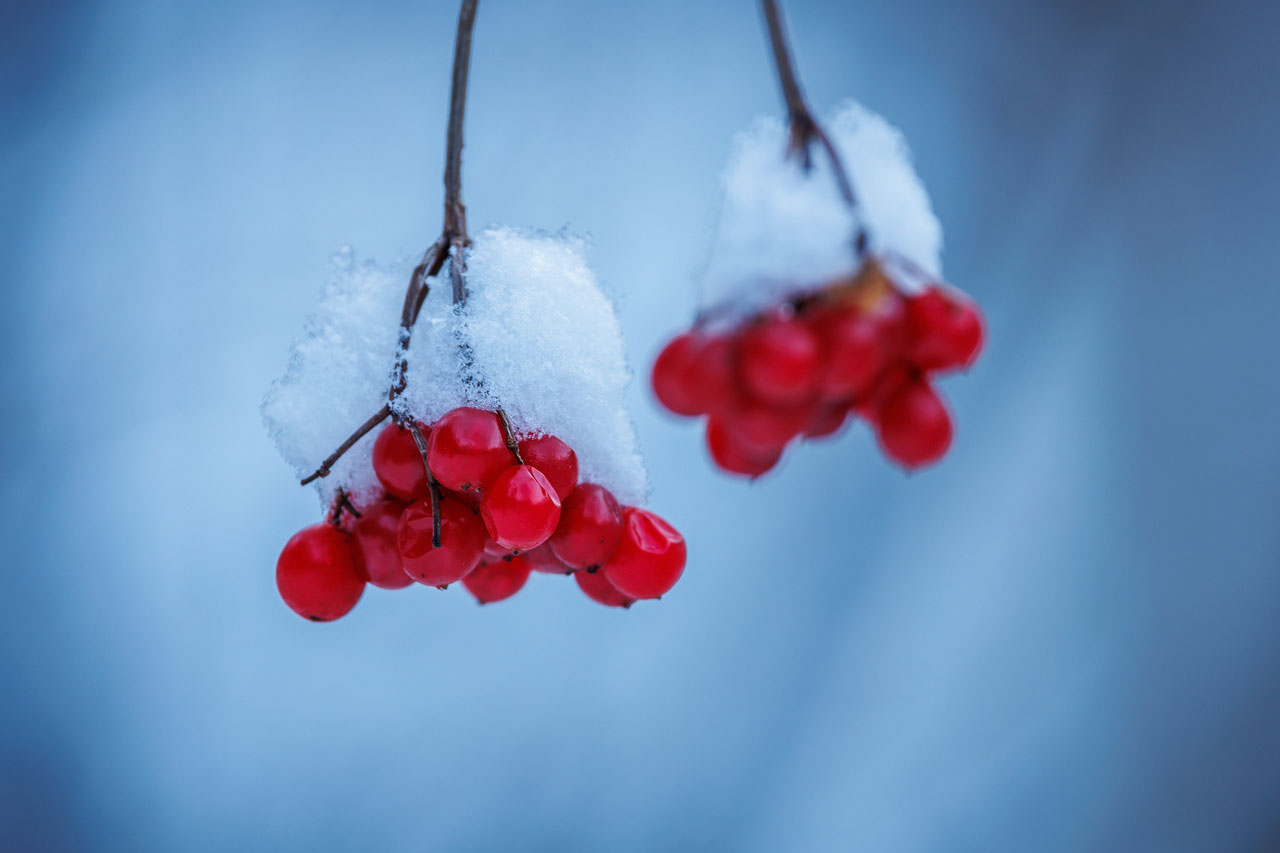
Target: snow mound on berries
[(339, 372), (784, 231), (539, 338)]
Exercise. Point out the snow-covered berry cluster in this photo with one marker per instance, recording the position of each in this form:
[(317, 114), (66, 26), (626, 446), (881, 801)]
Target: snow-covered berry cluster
[(859, 347), (481, 507)]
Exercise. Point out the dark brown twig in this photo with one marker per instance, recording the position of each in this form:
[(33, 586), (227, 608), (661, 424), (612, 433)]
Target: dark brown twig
[(509, 435), (340, 503), (804, 128), (450, 246), (432, 485)]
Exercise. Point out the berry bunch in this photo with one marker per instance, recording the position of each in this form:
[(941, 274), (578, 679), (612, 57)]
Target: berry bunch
[(859, 346), (464, 500)]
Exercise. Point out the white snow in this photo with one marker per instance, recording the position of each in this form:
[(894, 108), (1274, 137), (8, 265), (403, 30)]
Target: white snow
[(784, 231), (536, 336)]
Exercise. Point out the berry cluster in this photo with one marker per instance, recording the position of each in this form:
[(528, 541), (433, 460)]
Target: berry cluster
[(802, 369), (465, 501)]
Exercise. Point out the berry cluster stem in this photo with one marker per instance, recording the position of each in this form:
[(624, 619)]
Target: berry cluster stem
[(509, 435), (450, 246), (804, 128), (432, 485)]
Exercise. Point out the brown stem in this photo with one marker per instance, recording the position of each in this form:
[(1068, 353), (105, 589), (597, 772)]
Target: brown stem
[(450, 245), (509, 435), (340, 503), (432, 485), (804, 128)]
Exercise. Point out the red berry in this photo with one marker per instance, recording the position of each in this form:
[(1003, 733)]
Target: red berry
[(650, 558), (913, 425), (827, 420), (715, 374), (543, 559), (767, 427), (374, 545), (598, 589), (494, 551), (497, 580), (851, 352), (317, 575), (673, 377), (779, 361), (590, 528), (890, 380), (943, 332), (398, 463), (734, 455), (461, 542), (467, 450), (553, 458), (521, 509)]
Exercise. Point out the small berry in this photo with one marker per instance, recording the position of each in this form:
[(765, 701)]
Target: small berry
[(461, 542), (851, 352), (467, 450), (598, 589), (553, 458), (716, 374), (766, 426), (779, 361), (494, 551), (398, 463), (827, 420), (374, 545), (317, 575), (943, 332), (521, 508), (543, 559), (590, 528), (734, 455), (913, 425), (673, 378), (650, 558), (497, 580)]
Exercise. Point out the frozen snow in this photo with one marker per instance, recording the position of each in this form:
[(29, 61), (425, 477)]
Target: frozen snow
[(784, 231), (536, 336)]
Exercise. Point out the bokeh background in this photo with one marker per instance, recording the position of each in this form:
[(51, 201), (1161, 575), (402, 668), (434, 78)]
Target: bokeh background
[(1065, 637)]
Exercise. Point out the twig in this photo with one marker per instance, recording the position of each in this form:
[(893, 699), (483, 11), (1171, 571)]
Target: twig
[(432, 485), (450, 246), (509, 435), (804, 128), (341, 502)]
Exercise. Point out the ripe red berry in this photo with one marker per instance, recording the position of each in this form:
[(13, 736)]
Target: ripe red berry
[(398, 463), (521, 508), (374, 545), (673, 378), (779, 361), (317, 575), (716, 374), (943, 331), (553, 458), (827, 420), (467, 450), (494, 551), (734, 455), (461, 542), (598, 589), (650, 558), (590, 528), (766, 426), (913, 425), (851, 352), (497, 580), (543, 559), (889, 382)]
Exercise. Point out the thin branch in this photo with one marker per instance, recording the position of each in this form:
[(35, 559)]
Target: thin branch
[(804, 128), (432, 485), (450, 245), (340, 503), (509, 435)]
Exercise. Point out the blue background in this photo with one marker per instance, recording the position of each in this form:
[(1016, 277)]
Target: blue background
[(1065, 637)]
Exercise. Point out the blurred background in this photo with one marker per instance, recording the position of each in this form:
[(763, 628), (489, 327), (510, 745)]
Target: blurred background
[(1064, 637)]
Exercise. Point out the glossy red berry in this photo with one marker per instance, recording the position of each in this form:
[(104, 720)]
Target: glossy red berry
[(521, 508), (461, 542), (851, 348), (944, 332), (913, 425), (650, 558), (734, 455), (590, 528), (543, 559), (317, 575), (553, 458), (494, 551), (598, 589), (373, 537), (779, 360), (398, 463), (497, 580), (467, 449), (674, 375)]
